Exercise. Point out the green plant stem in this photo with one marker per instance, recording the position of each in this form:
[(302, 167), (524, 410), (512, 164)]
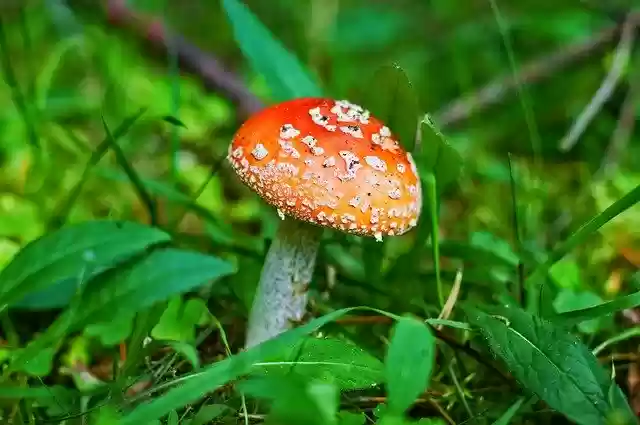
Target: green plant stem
[(459, 390), (9, 329), (432, 196)]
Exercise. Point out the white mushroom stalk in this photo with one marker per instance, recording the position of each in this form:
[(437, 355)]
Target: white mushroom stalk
[(323, 164), (281, 298)]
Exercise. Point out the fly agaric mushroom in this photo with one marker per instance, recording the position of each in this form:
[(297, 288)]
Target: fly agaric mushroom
[(321, 163)]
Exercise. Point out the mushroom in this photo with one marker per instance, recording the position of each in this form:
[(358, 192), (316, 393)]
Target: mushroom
[(321, 163)]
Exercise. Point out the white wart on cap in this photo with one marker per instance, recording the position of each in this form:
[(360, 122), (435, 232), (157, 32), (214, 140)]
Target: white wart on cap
[(329, 163)]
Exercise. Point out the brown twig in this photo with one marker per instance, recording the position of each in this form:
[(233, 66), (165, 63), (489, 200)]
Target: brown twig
[(192, 59), (624, 129), (539, 69), (215, 77), (606, 89)]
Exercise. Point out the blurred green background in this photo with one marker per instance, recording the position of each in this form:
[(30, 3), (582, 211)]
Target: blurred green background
[(499, 77)]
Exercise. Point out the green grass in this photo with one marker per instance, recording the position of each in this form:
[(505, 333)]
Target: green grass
[(125, 281)]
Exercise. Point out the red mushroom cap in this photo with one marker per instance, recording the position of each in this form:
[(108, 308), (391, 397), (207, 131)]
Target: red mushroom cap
[(329, 163)]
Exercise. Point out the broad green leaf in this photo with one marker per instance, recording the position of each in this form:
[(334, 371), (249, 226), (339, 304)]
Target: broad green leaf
[(54, 296), (157, 277), (408, 364), (71, 252), (493, 247), (207, 414), (188, 351), (346, 417), (436, 156), (567, 273), (144, 321), (172, 418), (214, 376), (568, 300), (41, 363), (106, 415), (339, 361), (393, 419), (283, 72), (552, 364), (179, 320), (39, 393), (295, 399), (393, 101), (112, 332)]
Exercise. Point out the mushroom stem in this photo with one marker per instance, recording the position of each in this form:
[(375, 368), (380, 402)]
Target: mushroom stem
[(281, 297)]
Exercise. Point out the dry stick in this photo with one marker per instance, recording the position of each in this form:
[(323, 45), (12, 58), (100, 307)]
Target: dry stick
[(193, 59), (452, 299), (623, 131), (606, 89), (535, 71), (215, 77)]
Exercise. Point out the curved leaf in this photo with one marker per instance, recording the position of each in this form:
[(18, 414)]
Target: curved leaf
[(72, 251), (283, 72), (157, 277), (342, 362), (552, 364), (408, 364)]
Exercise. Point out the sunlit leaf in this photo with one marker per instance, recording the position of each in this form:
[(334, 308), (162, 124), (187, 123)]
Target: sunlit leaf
[(283, 72), (408, 364), (207, 414), (339, 361), (179, 320), (295, 399)]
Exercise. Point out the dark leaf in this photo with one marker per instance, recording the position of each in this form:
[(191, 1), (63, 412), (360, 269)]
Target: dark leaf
[(552, 364), (283, 72)]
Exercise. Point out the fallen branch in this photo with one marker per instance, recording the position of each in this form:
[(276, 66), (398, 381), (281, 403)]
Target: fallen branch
[(539, 69), (192, 59), (215, 77), (606, 89)]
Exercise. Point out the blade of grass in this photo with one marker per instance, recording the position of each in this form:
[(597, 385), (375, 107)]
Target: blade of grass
[(573, 317), (519, 286), (61, 213), (581, 235), (214, 170), (17, 96), (432, 195), (136, 181), (622, 336), (459, 390), (523, 95), (174, 84), (508, 415)]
